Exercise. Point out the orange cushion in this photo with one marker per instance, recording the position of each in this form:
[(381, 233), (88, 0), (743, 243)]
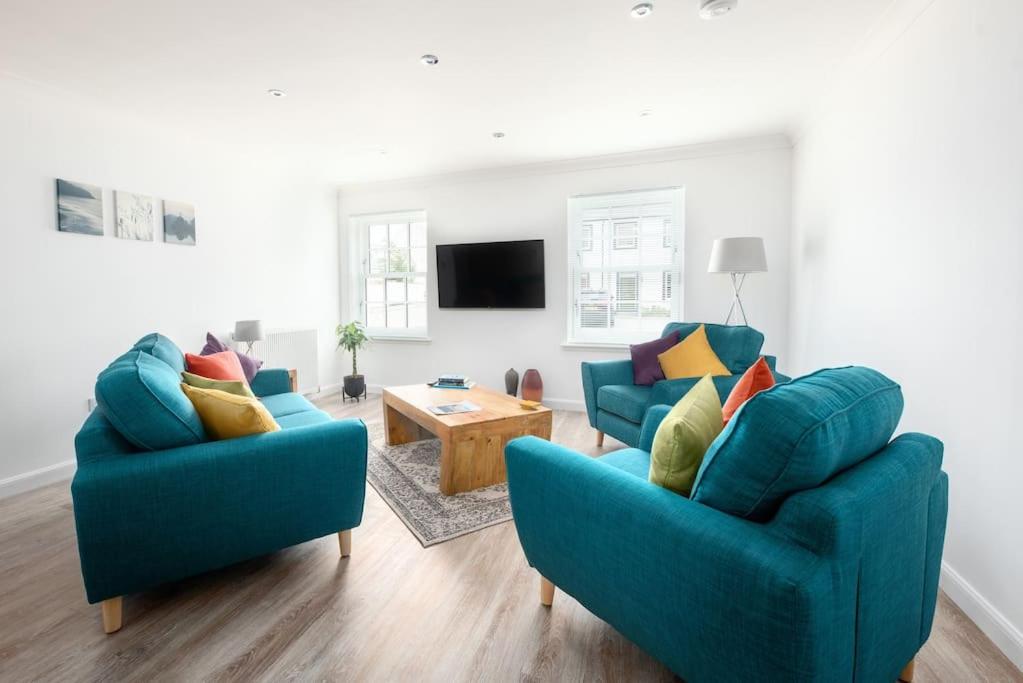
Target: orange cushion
[(753, 381), (224, 366)]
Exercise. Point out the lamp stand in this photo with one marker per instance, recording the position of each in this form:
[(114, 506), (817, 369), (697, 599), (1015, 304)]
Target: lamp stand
[(248, 351), (736, 308)]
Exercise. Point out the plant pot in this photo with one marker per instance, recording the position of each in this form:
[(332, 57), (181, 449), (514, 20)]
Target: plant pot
[(355, 385)]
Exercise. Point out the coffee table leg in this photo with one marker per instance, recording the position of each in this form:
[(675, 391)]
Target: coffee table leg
[(399, 428)]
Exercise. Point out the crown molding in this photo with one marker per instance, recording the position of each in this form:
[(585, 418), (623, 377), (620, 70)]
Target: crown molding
[(650, 156)]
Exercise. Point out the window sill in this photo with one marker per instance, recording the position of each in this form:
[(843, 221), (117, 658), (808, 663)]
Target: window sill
[(595, 346), (397, 338)]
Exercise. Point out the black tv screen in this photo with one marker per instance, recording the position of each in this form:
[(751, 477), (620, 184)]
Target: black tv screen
[(491, 275)]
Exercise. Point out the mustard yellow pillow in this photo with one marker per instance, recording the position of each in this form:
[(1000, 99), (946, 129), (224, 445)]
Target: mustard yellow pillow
[(231, 386), (227, 416), (692, 357)]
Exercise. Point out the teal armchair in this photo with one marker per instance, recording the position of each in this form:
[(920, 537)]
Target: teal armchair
[(615, 406), (145, 517)]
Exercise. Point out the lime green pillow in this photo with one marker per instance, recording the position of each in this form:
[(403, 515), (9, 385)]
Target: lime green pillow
[(233, 386), (684, 436)]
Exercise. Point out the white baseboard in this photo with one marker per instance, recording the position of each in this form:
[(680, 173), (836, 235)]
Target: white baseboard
[(993, 623), (20, 483)]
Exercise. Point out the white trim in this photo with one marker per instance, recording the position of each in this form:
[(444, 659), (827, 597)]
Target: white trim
[(650, 156), (416, 339), (28, 481), (573, 404), (1002, 632), (595, 346)]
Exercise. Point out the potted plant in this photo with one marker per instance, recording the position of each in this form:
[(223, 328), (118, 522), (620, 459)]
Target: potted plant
[(352, 337)]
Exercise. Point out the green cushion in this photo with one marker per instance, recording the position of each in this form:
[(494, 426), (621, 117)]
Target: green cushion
[(796, 436), (231, 386), (684, 436), (142, 397), (164, 349)]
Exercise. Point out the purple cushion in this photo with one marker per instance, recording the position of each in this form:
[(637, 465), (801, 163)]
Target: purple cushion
[(645, 367), (250, 365)]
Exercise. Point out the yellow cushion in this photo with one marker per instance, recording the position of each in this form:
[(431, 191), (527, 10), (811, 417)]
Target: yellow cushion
[(231, 386), (227, 416), (692, 357)]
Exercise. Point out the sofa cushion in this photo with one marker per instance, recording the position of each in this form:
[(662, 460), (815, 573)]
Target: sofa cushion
[(632, 460), (625, 400), (161, 347), (758, 378), (684, 436), (692, 357), (738, 347), (230, 416), (645, 367), (304, 419), (142, 397), (223, 366), (232, 386), (250, 365), (290, 403), (796, 436)]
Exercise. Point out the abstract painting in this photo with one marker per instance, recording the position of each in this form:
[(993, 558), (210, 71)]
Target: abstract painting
[(134, 216), (79, 208), (178, 223)]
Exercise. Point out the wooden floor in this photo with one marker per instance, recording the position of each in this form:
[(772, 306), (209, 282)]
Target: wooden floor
[(464, 610)]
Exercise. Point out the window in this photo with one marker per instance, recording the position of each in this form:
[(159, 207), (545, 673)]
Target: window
[(625, 265), (389, 270)]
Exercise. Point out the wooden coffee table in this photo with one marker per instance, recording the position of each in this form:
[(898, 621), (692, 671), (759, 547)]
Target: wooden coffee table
[(472, 444)]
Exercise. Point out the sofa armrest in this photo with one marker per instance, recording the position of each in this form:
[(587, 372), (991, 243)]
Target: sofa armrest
[(682, 580), (651, 421), (597, 374), (147, 518), (270, 381)]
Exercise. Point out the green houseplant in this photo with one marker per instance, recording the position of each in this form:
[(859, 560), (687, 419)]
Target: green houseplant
[(351, 338)]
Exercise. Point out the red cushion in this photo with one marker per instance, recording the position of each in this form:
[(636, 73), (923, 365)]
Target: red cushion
[(223, 365), (753, 381)]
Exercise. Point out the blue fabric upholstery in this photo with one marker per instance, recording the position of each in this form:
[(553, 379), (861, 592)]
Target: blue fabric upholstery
[(146, 518), (162, 348), (612, 400), (269, 381), (796, 436), (624, 400), (141, 396), (631, 460), (840, 585)]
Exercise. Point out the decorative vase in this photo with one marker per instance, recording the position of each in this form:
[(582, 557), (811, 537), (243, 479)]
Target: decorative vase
[(355, 385), (511, 382), (532, 385)]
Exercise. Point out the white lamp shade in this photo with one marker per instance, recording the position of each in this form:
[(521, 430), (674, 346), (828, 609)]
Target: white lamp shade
[(248, 330), (738, 255)]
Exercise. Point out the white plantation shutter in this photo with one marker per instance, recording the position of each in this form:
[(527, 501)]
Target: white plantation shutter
[(625, 265)]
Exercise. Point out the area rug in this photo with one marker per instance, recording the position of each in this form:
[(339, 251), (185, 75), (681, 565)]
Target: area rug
[(407, 478)]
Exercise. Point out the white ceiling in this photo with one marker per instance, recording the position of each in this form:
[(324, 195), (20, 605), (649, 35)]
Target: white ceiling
[(561, 78)]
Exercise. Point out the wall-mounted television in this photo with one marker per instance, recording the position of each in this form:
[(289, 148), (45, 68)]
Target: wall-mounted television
[(491, 275)]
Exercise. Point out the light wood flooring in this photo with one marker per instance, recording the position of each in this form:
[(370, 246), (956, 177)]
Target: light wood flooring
[(464, 610)]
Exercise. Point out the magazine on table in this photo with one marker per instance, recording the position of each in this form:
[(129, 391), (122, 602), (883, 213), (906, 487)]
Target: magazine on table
[(454, 408)]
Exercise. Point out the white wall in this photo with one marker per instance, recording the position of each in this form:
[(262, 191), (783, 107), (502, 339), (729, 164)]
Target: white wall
[(906, 257), (267, 248), (740, 188)]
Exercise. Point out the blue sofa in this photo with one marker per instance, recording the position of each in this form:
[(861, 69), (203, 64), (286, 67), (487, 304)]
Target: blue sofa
[(809, 551), (156, 501), (616, 406)]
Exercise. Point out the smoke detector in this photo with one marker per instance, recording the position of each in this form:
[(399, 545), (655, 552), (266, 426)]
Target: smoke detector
[(712, 9)]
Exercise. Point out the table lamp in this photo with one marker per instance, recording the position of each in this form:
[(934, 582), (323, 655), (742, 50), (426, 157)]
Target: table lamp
[(737, 256), (248, 331)]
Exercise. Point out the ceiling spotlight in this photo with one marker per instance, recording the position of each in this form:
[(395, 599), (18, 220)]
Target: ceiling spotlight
[(274, 92), (429, 60), (712, 9), (645, 113), (498, 134), (643, 9)]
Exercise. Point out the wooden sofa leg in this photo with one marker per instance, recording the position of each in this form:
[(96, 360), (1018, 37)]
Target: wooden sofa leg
[(907, 672), (111, 610), (600, 439), (546, 592), (344, 542)]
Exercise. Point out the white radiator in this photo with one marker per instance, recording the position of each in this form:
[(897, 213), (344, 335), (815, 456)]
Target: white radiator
[(298, 349)]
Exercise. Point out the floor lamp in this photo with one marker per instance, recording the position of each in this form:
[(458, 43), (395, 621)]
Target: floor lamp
[(737, 256)]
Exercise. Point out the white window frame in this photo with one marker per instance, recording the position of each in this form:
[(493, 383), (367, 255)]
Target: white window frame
[(358, 260), (577, 242)]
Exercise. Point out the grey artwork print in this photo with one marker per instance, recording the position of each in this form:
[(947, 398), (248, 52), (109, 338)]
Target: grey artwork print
[(134, 214), (178, 223), (79, 208)]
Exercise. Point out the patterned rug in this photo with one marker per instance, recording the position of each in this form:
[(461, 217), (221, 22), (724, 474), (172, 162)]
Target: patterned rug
[(407, 478)]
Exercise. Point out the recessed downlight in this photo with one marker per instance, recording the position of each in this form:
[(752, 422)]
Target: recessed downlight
[(645, 113), (498, 134), (429, 60), (643, 9), (714, 9), (274, 92)]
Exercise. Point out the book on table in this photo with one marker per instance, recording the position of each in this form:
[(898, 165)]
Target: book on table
[(454, 408)]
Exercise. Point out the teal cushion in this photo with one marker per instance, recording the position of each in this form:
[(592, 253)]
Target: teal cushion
[(631, 460), (303, 419), (142, 397), (624, 400), (737, 346), (796, 436), (280, 405), (161, 347)]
